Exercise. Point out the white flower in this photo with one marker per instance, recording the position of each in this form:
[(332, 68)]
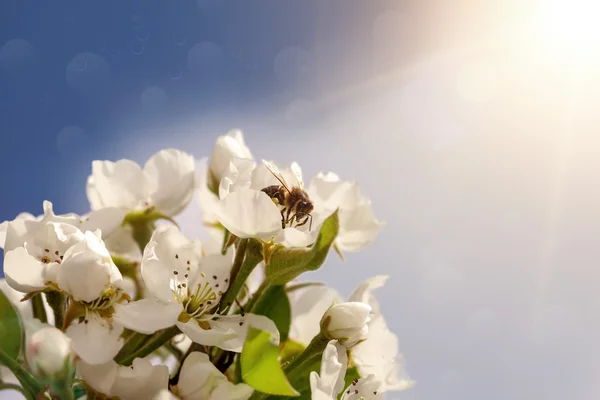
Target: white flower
[(378, 354), (186, 288), (95, 340), (107, 220), (201, 380), (140, 381), (347, 322), (358, 224), (33, 261), (34, 247), (248, 212), (48, 352), (166, 182), (87, 269), (227, 148), (330, 382)]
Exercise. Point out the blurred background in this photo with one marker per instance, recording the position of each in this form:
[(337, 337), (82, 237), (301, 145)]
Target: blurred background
[(472, 126)]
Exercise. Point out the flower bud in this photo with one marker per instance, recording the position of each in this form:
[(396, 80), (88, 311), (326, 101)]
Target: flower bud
[(346, 322), (49, 352), (227, 148), (87, 269)]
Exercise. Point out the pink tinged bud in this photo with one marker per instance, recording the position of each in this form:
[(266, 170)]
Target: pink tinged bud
[(48, 352)]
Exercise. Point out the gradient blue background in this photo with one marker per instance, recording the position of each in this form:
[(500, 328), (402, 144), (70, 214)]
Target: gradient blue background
[(478, 150)]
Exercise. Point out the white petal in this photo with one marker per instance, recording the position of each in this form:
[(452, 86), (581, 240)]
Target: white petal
[(106, 219), (227, 147), (238, 175), (23, 272), (100, 377), (168, 252), (363, 292), (358, 228), (120, 184), (140, 381), (17, 230), (209, 337), (379, 355), (95, 341), (165, 394), (14, 296), (249, 213), (121, 243), (333, 369), (348, 315), (231, 391), (292, 237), (214, 269), (196, 377), (87, 269), (240, 326), (147, 315), (368, 388), (171, 180), (308, 308)]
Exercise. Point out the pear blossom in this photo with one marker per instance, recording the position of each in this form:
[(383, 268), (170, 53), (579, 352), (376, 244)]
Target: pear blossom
[(358, 224), (347, 322), (186, 287), (227, 148), (248, 212), (378, 351), (87, 269), (35, 247), (49, 352), (166, 182), (330, 381), (140, 381)]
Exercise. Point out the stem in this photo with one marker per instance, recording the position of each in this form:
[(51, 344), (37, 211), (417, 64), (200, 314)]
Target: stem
[(58, 303), (37, 305), (174, 350), (243, 265), (12, 386), (63, 390), (133, 343), (256, 296), (297, 368), (142, 233), (153, 344), (27, 380)]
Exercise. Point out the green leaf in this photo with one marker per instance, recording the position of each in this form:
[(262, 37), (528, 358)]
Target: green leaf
[(260, 365), (284, 264), (275, 304), (290, 350), (11, 331)]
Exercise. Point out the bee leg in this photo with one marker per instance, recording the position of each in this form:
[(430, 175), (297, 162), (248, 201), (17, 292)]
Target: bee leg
[(287, 216), (303, 222), (283, 218)]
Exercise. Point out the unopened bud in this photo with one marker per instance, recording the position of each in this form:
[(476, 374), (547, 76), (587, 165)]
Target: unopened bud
[(49, 352), (346, 322)]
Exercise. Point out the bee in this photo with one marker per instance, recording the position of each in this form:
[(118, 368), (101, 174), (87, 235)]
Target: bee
[(294, 201)]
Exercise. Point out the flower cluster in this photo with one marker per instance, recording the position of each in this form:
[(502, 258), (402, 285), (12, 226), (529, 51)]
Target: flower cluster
[(121, 303)]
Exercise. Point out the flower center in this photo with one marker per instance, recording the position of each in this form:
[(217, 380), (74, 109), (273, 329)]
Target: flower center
[(109, 297)]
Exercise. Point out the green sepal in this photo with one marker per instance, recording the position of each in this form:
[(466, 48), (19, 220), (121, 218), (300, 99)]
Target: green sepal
[(284, 264)]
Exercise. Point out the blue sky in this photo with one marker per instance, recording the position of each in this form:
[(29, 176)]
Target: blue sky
[(477, 147)]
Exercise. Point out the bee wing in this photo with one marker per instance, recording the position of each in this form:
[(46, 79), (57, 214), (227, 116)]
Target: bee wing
[(297, 174), (275, 171)]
